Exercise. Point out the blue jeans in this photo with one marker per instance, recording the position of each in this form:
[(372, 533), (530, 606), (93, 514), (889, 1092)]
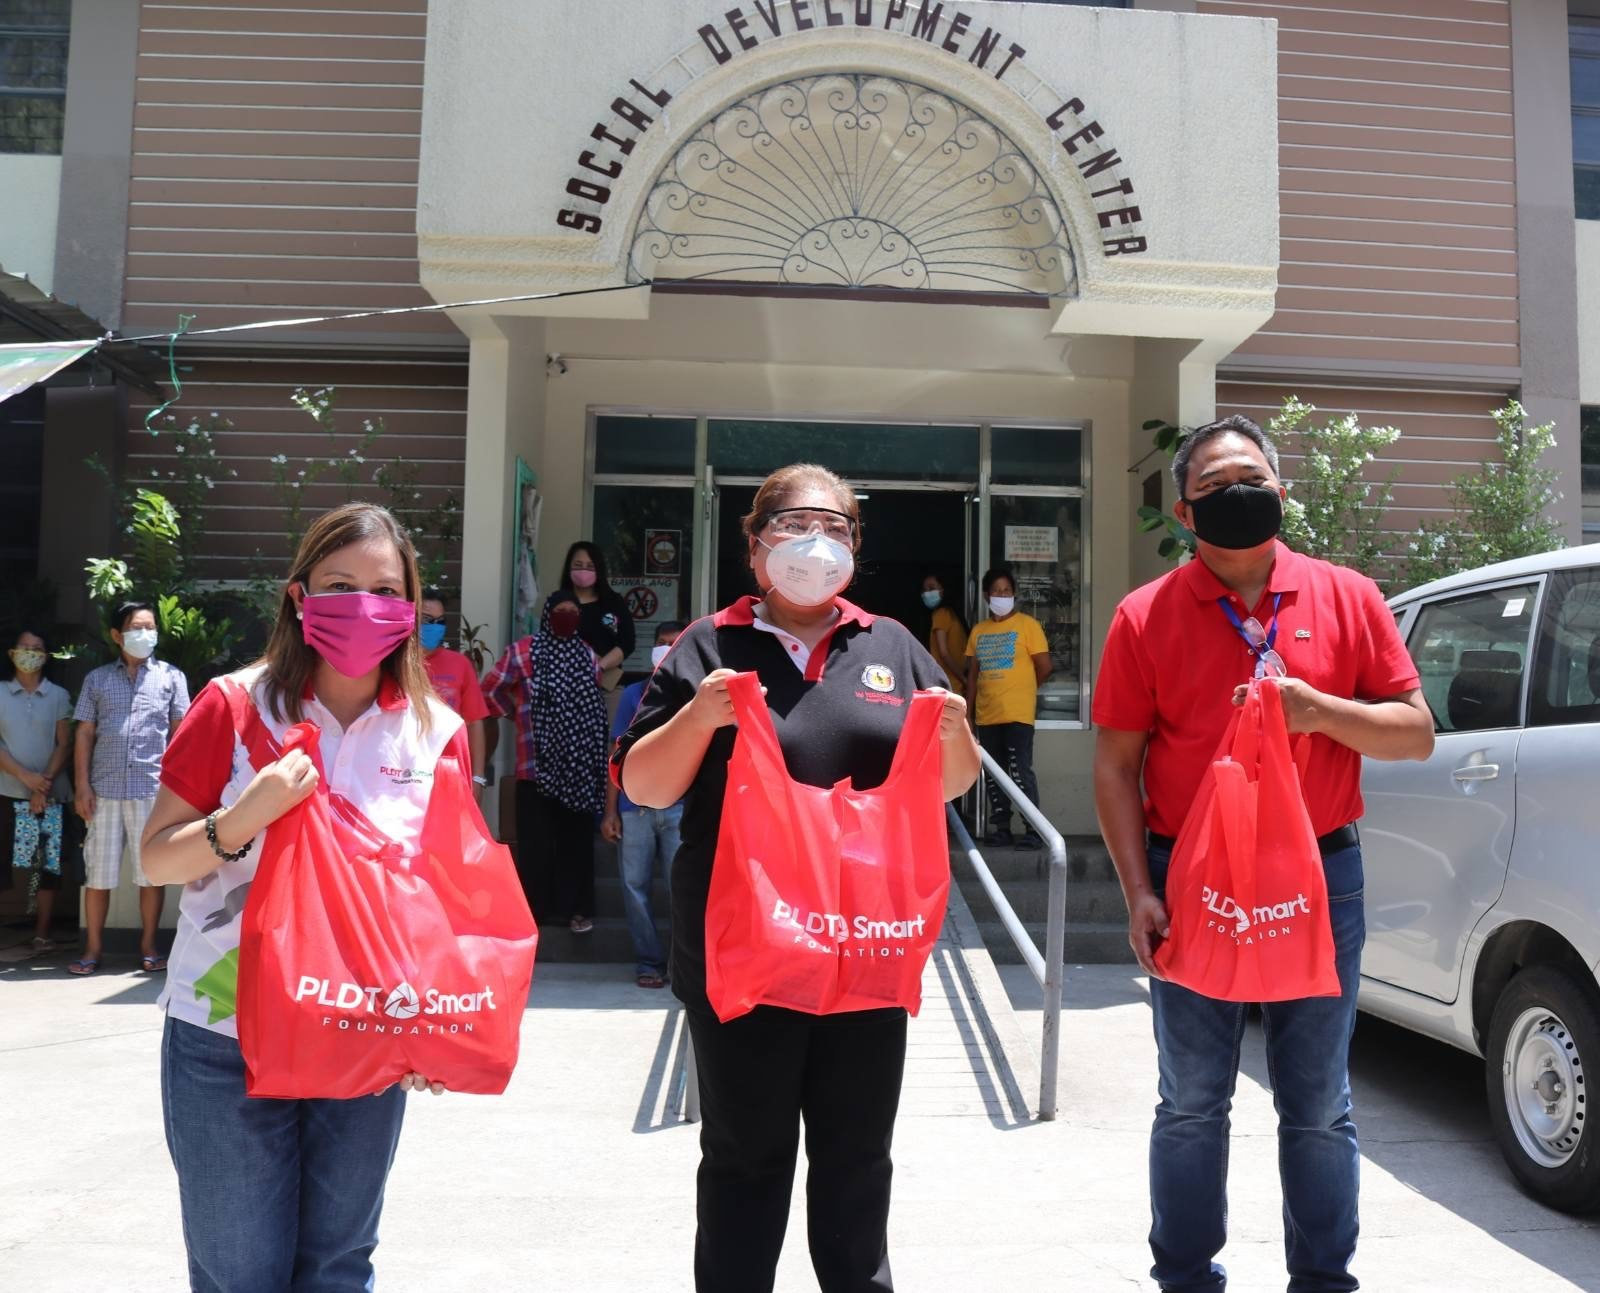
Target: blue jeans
[(1308, 1054), (649, 835), (276, 1194)]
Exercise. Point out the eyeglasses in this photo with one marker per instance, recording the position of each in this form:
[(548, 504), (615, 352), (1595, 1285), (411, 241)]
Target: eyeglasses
[(1269, 664), (797, 522)]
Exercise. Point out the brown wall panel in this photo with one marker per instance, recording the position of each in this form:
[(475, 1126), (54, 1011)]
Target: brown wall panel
[(1443, 434), (422, 405), (258, 19), (267, 134), (1395, 153)]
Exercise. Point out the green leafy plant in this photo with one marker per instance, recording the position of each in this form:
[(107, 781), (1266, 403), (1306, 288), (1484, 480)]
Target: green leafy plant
[(1333, 510), (1499, 510), (1178, 538), (435, 529), (156, 570), (474, 647)]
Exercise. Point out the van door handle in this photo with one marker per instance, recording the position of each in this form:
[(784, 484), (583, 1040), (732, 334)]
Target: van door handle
[(1477, 772)]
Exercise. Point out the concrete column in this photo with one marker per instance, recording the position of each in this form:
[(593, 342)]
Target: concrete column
[(505, 420), (1546, 239), (76, 512), (96, 158)]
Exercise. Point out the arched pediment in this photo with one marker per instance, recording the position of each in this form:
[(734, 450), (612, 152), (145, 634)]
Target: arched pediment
[(853, 181)]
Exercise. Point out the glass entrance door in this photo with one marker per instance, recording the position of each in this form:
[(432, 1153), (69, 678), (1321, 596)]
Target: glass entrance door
[(906, 534), (668, 494)]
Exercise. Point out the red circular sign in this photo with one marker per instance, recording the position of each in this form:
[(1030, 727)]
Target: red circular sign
[(641, 603)]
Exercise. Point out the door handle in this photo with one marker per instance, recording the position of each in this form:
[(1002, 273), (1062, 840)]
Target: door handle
[(1477, 772)]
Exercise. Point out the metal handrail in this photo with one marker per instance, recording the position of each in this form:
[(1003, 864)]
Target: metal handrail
[(1048, 970)]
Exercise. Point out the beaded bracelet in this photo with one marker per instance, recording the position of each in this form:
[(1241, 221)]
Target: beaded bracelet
[(211, 836)]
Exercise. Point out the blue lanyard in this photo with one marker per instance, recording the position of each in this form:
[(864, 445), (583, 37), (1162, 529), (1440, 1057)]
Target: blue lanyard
[(1260, 652)]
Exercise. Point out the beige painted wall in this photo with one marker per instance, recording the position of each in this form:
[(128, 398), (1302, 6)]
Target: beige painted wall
[(30, 196), (1588, 237)]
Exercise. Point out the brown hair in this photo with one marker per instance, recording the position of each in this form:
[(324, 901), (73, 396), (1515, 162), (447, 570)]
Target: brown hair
[(290, 661), (779, 488)]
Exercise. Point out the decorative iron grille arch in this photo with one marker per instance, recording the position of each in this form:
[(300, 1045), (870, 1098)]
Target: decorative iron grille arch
[(853, 181)]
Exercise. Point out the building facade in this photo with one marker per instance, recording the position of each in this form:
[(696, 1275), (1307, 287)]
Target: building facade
[(961, 252)]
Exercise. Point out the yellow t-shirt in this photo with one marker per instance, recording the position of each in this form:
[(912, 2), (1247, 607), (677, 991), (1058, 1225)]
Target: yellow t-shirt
[(955, 642), (1007, 687)]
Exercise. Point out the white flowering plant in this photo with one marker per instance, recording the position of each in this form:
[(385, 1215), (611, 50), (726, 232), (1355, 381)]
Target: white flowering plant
[(1499, 510)]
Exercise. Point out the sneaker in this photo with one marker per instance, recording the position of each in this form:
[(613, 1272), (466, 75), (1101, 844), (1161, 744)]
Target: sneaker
[(580, 925), (997, 840), (1030, 843)]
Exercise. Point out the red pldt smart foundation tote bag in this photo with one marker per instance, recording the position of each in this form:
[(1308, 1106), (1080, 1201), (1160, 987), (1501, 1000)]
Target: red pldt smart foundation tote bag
[(825, 899), (359, 964), (1247, 898)]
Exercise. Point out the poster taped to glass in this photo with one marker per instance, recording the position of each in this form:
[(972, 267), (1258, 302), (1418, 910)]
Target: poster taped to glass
[(663, 552), (524, 565)]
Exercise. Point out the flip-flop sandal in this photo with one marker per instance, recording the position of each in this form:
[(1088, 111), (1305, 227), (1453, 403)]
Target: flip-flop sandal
[(83, 965), (650, 981), (150, 964)]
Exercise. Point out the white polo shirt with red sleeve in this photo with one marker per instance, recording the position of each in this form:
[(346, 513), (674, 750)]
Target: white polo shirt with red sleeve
[(1173, 658), (383, 764)]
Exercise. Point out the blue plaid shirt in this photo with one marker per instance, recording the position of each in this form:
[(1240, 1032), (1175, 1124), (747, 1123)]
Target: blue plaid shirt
[(133, 720)]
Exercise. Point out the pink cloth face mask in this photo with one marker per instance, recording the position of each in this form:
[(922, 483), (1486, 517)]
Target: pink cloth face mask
[(583, 578), (355, 632)]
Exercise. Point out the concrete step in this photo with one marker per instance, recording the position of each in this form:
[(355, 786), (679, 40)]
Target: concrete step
[(1097, 931), (1088, 943), (608, 942)]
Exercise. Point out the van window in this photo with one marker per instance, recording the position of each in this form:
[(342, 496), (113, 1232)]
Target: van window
[(1471, 652), (1566, 674)]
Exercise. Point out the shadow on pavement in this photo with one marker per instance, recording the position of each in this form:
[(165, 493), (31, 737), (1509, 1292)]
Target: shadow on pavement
[(1423, 1118)]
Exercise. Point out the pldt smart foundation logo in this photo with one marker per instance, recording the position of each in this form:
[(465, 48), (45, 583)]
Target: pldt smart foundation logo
[(353, 1006), (850, 936), (1272, 920)]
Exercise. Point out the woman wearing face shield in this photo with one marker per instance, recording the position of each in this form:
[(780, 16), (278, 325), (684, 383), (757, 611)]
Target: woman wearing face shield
[(837, 680)]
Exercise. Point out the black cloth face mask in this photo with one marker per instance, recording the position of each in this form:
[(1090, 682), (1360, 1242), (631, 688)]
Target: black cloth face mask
[(1240, 516)]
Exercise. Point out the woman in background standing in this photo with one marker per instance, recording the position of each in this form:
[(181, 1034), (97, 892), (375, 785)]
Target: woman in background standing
[(548, 684), (604, 621), (946, 637)]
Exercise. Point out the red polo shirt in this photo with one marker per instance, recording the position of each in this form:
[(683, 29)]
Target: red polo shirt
[(1173, 658)]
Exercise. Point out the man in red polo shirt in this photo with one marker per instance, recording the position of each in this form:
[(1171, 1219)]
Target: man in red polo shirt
[(1178, 657)]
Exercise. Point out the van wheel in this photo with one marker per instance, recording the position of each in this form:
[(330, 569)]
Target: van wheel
[(1543, 1053)]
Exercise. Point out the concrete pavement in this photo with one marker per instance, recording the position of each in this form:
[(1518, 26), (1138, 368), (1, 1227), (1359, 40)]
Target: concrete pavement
[(582, 1178)]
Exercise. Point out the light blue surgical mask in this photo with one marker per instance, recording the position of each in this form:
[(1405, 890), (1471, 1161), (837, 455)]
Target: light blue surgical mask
[(432, 637), (931, 597)]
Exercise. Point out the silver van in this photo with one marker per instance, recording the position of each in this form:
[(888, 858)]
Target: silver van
[(1483, 863)]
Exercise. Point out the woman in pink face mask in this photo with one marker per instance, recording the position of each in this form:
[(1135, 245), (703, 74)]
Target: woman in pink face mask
[(275, 1191), (604, 621)]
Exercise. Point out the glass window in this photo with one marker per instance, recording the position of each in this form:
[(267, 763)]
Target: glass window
[(1566, 674), (1583, 47), (1471, 652), (856, 450), (629, 446), (647, 534), (33, 74), (1036, 456), (1041, 539)]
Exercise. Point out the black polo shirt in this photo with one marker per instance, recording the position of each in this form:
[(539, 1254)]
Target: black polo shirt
[(603, 623), (839, 721)]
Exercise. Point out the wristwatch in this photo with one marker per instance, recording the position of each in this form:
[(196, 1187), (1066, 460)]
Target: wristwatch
[(479, 781)]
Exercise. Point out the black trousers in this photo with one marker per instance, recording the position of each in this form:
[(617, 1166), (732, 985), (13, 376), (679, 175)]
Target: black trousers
[(760, 1075), (1011, 746), (555, 856)]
